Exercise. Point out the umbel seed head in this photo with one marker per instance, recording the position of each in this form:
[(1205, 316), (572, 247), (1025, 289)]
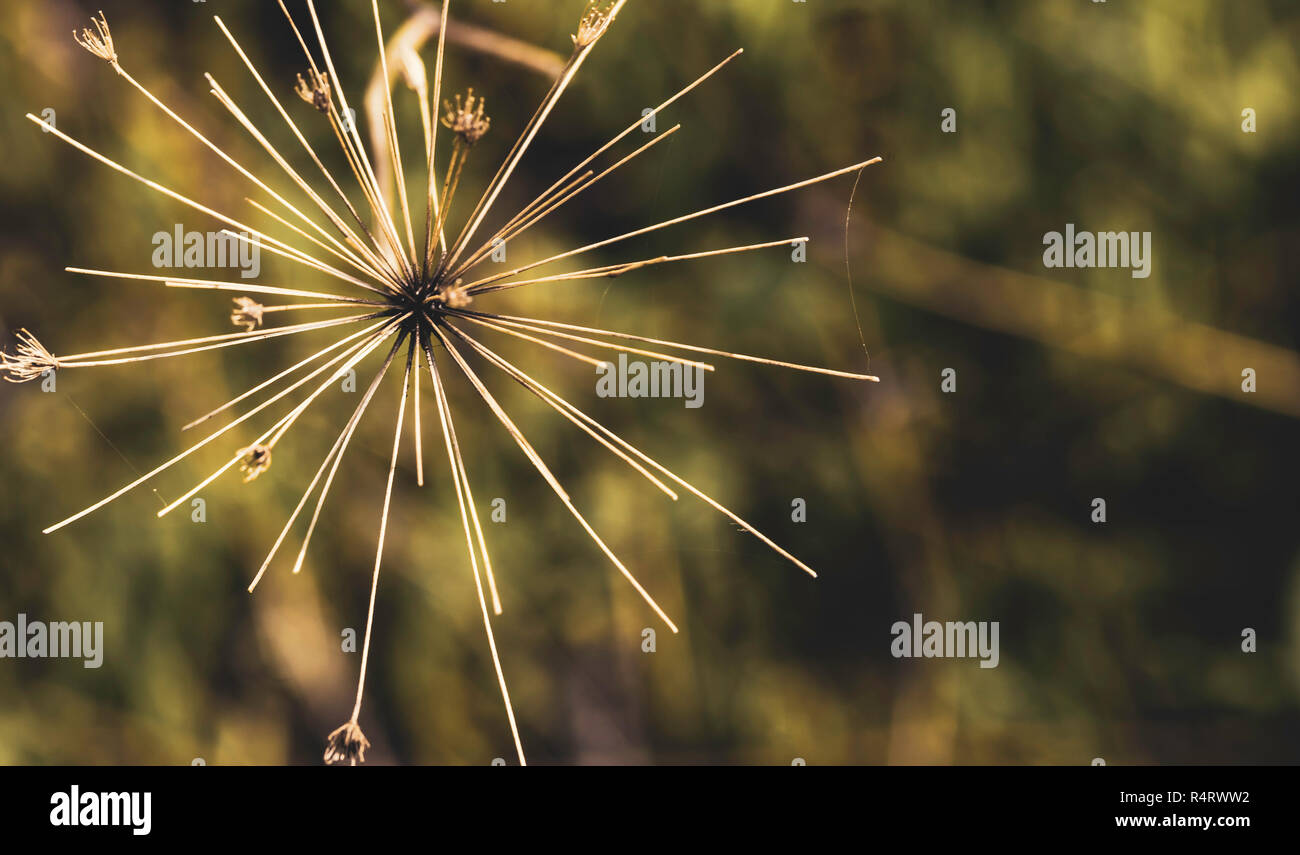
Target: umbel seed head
[(346, 745), (595, 21), (99, 42), (466, 119), (247, 313), (453, 296), (254, 460), (30, 361), (315, 90)]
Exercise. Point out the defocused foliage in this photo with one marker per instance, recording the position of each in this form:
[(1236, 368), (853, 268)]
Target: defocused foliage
[(1120, 641)]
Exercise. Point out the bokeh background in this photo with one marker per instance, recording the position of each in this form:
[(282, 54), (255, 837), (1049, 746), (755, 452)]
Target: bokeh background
[(1120, 641)]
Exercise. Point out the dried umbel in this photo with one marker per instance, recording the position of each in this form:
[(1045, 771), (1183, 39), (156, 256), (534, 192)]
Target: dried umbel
[(99, 41), (454, 296), (315, 90), (247, 313), (254, 460), (400, 296), (347, 744), (595, 21), (29, 361), (466, 120)]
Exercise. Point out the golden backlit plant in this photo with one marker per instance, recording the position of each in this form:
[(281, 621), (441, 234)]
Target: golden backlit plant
[(412, 299)]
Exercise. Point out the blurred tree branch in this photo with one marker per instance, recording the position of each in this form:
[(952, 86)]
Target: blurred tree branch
[(1092, 324)]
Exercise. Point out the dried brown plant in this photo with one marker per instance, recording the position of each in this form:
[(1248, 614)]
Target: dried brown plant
[(414, 292)]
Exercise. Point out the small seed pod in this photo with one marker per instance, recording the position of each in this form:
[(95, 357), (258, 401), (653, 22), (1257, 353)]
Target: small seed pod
[(347, 744), (453, 296), (465, 119), (30, 361), (315, 90), (595, 21), (247, 313), (100, 41), (254, 460)]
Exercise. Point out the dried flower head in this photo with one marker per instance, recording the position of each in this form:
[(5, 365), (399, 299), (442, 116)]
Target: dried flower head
[(254, 460), (398, 292), (454, 296), (100, 41), (247, 313), (314, 89), (595, 21), (30, 360), (347, 744), (466, 120)]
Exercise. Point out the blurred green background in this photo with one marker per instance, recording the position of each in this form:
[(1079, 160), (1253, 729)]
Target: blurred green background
[(1120, 641)]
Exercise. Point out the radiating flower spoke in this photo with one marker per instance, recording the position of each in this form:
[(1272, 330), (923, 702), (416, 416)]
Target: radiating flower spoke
[(559, 402), (549, 477), (465, 499), (541, 325)]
